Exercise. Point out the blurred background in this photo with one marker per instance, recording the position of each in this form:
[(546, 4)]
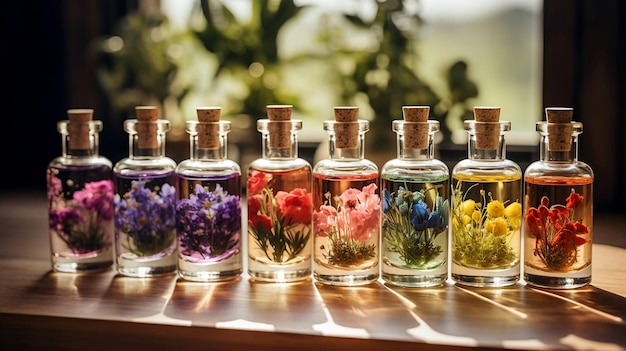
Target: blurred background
[(112, 55)]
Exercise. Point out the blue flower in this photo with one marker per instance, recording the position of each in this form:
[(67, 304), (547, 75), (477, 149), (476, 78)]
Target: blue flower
[(386, 200), (419, 216)]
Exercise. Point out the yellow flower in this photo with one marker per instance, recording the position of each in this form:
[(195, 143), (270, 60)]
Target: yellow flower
[(499, 226), (513, 210), (466, 219), (476, 216), (489, 226), (496, 226), (468, 207), (495, 209), (515, 223)]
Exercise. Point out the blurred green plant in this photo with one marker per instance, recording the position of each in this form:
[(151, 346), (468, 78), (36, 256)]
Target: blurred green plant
[(248, 50), (136, 65), (386, 72), (139, 64)]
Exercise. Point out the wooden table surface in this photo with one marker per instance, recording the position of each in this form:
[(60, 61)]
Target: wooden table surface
[(43, 310)]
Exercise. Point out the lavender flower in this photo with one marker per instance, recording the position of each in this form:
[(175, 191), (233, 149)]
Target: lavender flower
[(146, 217), (209, 224)]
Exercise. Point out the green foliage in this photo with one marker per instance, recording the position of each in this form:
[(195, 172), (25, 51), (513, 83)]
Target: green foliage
[(144, 70), (237, 45), (386, 74), (135, 67)]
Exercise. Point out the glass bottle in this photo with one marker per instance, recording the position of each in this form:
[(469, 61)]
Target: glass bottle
[(558, 207), (416, 210), (208, 211), (279, 203), (145, 199), (486, 206), (346, 202), (80, 198)]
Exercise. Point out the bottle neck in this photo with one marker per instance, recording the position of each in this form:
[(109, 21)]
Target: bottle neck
[(566, 156), (279, 138), (486, 140), (415, 141), (497, 153), (88, 145), (346, 139), (146, 139), (337, 153), (559, 141), (208, 140)]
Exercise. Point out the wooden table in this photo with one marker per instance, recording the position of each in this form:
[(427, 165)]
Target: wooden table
[(43, 310)]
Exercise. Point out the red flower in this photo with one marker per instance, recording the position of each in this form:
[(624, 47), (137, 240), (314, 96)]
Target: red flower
[(254, 204), (261, 222), (256, 182), (296, 206), (573, 200), (557, 234)]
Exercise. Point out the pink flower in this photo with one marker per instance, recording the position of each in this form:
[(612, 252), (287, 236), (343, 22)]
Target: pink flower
[(296, 206), (324, 220), (54, 186), (98, 197)]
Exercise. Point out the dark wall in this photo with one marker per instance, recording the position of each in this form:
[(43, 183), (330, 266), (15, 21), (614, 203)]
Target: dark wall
[(35, 91), (50, 66), (584, 56)]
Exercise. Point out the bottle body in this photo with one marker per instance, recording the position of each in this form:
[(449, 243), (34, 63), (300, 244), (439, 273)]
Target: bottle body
[(558, 213), (145, 208), (80, 206), (279, 203), (279, 220), (486, 215), (80, 203), (416, 210), (208, 222), (346, 215), (208, 210), (486, 224)]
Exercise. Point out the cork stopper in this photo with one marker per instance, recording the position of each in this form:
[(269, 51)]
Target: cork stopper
[(346, 127), (208, 127), (280, 132), (487, 127), (78, 128), (415, 126), (147, 136), (560, 128)]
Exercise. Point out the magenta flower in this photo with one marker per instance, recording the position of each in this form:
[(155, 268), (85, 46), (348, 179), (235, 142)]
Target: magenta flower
[(83, 222)]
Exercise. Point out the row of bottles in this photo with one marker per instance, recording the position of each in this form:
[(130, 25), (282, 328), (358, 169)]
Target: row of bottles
[(343, 221)]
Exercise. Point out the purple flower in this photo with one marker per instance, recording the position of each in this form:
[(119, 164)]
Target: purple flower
[(209, 223), (147, 217), (64, 219)]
